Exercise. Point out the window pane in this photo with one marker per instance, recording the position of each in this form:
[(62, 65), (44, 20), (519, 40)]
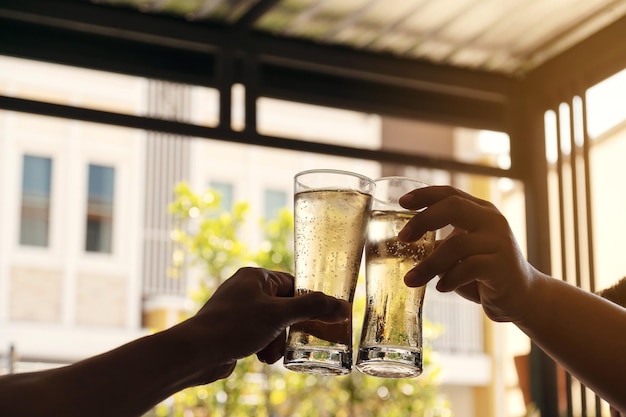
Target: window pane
[(340, 127), (480, 147), (606, 104), (371, 131), (100, 209), (225, 192), (275, 200), (35, 212)]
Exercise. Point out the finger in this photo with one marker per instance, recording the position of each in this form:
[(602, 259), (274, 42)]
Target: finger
[(274, 350), (313, 306), (469, 292), (278, 283), (448, 254), (331, 332), (427, 196), (459, 212), (469, 271)]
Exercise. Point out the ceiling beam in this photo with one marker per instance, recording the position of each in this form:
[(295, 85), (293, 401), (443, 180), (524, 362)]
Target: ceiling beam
[(53, 44), (251, 138), (125, 40), (373, 97), (129, 24)]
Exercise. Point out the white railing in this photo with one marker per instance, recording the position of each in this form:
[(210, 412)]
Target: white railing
[(460, 321), (167, 164)]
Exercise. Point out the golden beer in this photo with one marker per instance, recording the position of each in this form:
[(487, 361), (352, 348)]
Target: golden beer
[(393, 318), (330, 229)]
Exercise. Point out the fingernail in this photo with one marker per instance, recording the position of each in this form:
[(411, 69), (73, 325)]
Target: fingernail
[(442, 287), (405, 199), (404, 234), (411, 279)]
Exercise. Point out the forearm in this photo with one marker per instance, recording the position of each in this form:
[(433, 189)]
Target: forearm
[(126, 381), (583, 332)]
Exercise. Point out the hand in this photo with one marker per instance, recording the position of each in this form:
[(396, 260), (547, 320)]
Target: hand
[(480, 259), (249, 313)]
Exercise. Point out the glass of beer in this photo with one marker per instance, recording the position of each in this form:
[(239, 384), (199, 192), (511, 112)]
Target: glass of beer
[(391, 338), (331, 211)]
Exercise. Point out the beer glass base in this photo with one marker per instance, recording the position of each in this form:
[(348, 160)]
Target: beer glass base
[(318, 361), (389, 362)]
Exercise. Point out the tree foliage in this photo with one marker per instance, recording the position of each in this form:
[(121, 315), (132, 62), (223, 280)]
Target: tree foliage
[(209, 241)]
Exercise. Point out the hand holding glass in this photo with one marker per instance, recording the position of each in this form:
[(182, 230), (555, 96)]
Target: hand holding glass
[(391, 339)]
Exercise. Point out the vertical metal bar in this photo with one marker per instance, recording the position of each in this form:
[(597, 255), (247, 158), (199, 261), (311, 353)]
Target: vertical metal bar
[(251, 83), (589, 208), (562, 226), (224, 72), (575, 197), (568, 394), (576, 224), (561, 194), (526, 116)]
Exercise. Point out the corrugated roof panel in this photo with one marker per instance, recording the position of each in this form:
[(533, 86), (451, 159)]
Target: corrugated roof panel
[(498, 35), (391, 23), (435, 15), (479, 19), (482, 58), (435, 49)]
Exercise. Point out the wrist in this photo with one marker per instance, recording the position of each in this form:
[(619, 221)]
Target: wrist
[(535, 297), (200, 357)]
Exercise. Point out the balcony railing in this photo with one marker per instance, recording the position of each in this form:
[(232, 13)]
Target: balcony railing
[(460, 321)]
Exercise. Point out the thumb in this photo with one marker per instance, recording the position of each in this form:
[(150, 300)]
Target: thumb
[(314, 306)]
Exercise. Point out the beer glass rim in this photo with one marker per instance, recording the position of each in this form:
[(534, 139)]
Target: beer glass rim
[(365, 184), (393, 204), (334, 171), (403, 178)]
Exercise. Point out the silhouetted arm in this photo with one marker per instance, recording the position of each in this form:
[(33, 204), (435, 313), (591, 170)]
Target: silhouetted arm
[(247, 314), (481, 261)]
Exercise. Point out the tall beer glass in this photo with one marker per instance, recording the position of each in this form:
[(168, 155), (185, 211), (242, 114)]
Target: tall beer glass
[(391, 338), (331, 210)]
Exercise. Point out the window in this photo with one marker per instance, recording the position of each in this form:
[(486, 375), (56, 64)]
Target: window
[(100, 209), (275, 200), (35, 211), (225, 192)]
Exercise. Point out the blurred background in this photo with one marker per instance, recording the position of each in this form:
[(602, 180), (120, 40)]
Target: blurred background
[(130, 186)]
